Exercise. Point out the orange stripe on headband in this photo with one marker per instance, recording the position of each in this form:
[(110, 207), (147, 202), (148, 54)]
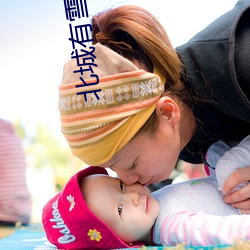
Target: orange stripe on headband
[(105, 79)]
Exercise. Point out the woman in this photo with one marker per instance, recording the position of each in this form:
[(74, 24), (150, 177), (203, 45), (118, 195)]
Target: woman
[(134, 124)]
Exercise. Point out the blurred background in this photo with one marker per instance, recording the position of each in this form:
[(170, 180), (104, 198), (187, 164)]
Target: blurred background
[(34, 47)]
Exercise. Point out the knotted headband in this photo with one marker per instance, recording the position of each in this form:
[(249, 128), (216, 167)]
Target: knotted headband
[(98, 127)]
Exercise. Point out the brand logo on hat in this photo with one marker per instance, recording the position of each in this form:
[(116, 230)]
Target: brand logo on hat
[(67, 237)]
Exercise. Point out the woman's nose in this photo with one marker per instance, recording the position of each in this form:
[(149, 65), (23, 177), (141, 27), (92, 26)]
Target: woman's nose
[(126, 177)]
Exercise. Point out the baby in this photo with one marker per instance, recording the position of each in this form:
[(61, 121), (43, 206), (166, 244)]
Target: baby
[(96, 211)]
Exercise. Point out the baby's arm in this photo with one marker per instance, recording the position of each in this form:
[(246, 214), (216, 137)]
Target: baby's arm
[(214, 153), (201, 229), (237, 157)]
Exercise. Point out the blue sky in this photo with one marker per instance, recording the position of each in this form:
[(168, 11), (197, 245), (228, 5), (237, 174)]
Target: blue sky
[(34, 47)]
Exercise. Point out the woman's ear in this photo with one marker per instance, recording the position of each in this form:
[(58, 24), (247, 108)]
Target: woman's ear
[(168, 109)]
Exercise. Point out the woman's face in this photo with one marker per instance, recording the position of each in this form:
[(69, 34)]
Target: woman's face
[(147, 159)]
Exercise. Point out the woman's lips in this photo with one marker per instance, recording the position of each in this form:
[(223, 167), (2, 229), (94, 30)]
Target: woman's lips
[(148, 183)]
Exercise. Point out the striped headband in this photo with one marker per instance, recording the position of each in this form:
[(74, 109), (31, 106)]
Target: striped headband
[(99, 119)]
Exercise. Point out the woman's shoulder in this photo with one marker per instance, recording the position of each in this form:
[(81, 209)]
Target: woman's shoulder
[(209, 65)]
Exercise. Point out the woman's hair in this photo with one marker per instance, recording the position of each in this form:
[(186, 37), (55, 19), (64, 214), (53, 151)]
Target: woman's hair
[(137, 35)]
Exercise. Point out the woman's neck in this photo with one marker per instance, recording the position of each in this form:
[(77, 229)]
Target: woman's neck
[(187, 125)]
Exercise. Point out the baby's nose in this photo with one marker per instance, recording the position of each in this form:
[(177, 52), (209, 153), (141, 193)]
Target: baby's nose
[(133, 197)]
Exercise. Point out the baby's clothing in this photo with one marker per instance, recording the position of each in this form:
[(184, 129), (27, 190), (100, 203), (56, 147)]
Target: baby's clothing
[(194, 212)]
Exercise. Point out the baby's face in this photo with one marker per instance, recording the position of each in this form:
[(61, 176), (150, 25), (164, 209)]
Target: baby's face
[(130, 211)]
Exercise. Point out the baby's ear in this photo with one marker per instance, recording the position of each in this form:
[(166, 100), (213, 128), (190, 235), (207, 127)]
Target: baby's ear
[(168, 109)]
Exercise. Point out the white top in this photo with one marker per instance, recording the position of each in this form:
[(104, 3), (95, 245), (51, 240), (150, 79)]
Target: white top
[(194, 212)]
